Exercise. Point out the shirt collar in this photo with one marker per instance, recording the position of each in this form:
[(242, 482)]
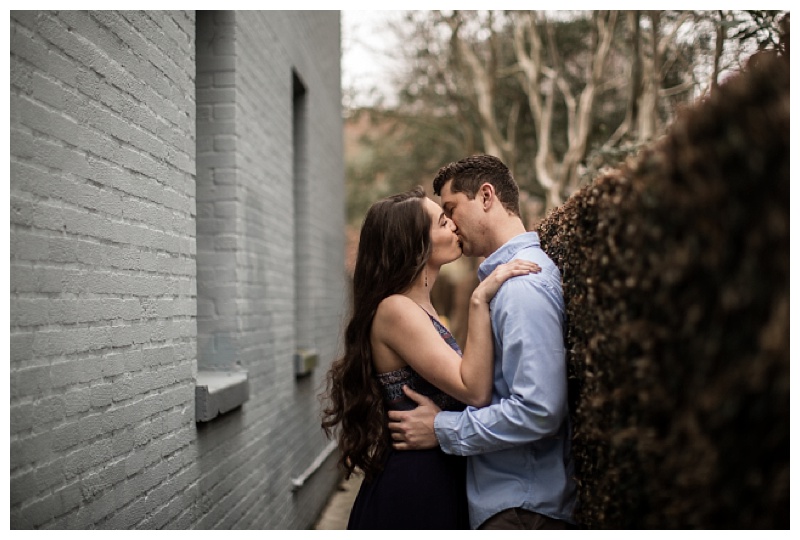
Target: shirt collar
[(506, 252)]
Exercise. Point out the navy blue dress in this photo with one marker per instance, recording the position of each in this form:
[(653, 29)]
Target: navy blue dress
[(417, 489)]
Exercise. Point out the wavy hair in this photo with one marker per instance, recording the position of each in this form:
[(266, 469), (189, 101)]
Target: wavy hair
[(394, 246)]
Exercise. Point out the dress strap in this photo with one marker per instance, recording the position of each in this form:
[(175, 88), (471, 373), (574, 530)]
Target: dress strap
[(426, 311)]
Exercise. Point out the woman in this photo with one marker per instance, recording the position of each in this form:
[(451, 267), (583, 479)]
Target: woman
[(394, 338)]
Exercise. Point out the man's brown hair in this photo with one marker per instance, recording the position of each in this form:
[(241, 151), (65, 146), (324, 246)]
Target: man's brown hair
[(470, 173)]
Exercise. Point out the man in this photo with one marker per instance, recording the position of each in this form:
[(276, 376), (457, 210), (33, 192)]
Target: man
[(520, 468)]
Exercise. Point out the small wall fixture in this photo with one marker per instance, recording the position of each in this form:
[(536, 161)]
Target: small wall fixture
[(305, 360)]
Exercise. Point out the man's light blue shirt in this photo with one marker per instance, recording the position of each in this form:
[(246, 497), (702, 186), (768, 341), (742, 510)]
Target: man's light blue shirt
[(519, 446)]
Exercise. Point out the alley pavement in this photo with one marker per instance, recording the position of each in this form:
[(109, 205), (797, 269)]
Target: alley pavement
[(337, 511)]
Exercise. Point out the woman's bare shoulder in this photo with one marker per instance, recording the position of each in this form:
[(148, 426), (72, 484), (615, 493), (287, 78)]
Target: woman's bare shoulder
[(395, 307)]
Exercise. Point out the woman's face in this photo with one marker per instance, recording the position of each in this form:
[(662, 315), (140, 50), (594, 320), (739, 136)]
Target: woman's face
[(444, 241)]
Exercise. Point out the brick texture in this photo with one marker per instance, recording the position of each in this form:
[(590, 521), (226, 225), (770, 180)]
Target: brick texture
[(142, 246)]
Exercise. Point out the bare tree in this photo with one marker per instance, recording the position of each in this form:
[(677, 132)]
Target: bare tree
[(482, 67), (558, 94), (542, 73)]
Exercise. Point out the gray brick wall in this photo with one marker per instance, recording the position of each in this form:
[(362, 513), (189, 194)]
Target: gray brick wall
[(281, 419), (109, 244), (217, 206)]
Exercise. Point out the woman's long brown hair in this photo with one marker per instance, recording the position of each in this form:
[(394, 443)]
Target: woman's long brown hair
[(394, 247)]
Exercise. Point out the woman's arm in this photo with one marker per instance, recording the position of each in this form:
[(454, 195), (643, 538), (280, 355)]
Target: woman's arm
[(402, 326), (530, 320)]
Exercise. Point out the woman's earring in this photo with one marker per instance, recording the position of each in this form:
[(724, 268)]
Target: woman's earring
[(426, 278)]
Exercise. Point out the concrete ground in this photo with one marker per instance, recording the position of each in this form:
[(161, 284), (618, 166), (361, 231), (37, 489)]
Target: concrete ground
[(337, 511)]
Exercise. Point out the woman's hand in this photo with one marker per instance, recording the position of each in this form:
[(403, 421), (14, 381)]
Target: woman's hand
[(489, 286)]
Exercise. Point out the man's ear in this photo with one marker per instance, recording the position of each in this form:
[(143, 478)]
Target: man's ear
[(486, 195)]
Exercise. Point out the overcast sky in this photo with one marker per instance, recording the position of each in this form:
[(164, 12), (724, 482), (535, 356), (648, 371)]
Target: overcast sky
[(366, 49)]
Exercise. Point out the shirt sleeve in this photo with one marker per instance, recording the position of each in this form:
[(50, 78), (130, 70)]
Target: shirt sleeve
[(532, 404)]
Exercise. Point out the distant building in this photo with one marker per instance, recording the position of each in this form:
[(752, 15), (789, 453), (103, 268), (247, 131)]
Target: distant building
[(177, 271)]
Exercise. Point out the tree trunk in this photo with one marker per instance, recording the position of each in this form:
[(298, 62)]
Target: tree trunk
[(634, 81), (541, 83), (651, 67), (495, 143), (719, 46)]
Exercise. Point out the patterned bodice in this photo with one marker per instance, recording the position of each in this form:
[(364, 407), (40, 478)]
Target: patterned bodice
[(392, 382)]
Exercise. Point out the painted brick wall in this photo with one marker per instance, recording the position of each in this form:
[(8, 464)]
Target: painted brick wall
[(280, 422), (104, 270), (217, 206)]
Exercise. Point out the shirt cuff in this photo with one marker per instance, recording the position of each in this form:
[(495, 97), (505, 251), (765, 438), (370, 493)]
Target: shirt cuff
[(444, 429)]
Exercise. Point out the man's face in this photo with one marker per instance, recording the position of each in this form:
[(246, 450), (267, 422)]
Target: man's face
[(469, 218), (445, 246)]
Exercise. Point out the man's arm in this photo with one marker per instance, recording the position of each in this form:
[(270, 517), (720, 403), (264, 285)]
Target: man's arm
[(528, 319)]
